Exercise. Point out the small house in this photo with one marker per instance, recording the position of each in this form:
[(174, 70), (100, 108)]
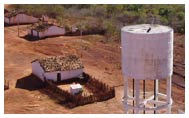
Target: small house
[(18, 17), (57, 68), (42, 30)]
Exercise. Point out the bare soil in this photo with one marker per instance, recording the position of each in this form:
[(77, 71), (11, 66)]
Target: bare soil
[(101, 60)]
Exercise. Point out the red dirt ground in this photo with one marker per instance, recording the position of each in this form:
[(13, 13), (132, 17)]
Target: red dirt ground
[(101, 60)]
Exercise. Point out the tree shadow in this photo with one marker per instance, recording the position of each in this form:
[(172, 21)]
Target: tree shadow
[(30, 82)]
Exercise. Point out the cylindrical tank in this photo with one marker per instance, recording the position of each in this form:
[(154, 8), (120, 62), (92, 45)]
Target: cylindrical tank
[(147, 51)]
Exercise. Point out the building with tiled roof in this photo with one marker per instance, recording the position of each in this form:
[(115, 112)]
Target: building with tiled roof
[(57, 68), (18, 17), (42, 30)]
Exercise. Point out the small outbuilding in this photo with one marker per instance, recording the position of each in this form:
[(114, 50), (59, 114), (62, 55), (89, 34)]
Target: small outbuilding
[(42, 30), (18, 17), (57, 68), (75, 88)]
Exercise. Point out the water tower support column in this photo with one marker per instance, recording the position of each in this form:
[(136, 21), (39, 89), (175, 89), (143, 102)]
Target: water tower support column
[(156, 91), (126, 92), (137, 96), (169, 101)]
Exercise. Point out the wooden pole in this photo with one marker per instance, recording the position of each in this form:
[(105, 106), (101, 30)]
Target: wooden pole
[(18, 28), (154, 95), (144, 93), (133, 94), (157, 89)]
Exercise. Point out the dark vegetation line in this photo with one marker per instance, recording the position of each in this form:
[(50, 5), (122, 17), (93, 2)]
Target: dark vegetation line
[(179, 85), (110, 17), (177, 73), (179, 65)]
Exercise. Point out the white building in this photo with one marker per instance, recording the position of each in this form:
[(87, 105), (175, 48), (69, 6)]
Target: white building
[(46, 30), (57, 68), (75, 88), (19, 17)]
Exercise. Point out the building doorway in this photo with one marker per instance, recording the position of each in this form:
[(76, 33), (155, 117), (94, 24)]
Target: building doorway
[(58, 77)]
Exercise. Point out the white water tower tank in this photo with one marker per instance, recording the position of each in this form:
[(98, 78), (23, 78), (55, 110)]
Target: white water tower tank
[(147, 54)]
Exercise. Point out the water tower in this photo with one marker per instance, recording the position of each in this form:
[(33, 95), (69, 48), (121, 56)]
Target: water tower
[(147, 55)]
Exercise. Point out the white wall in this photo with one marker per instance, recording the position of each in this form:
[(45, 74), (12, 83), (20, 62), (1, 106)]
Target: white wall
[(71, 74), (6, 20), (75, 90), (37, 70), (35, 33), (51, 75), (42, 34), (64, 74), (29, 31), (52, 31), (45, 18), (22, 18)]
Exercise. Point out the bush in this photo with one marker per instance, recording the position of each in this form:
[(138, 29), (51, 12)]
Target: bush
[(111, 17)]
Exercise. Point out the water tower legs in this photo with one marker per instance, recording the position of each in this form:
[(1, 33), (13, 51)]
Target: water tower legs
[(142, 101)]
